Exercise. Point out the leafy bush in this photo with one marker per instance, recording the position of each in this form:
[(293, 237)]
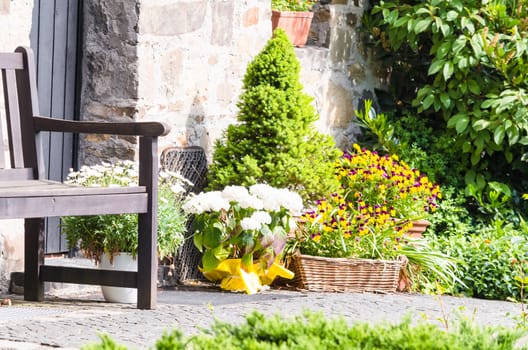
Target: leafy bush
[(461, 66), (490, 259), (314, 331), (275, 141)]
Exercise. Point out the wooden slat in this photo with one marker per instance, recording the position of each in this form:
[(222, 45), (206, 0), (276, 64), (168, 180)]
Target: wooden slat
[(10, 175), (33, 207), (13, 118), (80, 275), (11, 61), (3, 164), (40, 188), (28, 102), (133, 128)]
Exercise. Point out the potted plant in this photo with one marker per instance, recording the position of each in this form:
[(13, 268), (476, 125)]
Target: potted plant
[(364, 226), (111, 240), (294, 17), (242, 234)]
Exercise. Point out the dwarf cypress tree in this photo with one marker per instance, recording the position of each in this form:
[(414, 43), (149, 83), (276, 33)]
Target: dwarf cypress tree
[(275, 141)]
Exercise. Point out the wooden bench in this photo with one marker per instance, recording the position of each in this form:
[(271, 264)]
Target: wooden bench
[(26, 193)]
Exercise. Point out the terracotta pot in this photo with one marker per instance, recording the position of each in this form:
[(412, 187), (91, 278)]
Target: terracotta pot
[(418, 228), (295, 24)]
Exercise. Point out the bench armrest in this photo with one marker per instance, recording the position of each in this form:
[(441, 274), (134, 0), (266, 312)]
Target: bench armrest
[(149, 129)]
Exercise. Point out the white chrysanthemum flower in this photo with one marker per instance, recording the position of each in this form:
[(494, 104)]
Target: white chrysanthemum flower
[(177, 189), (234, 193), (206, 202), (255, 221), (240, 195), (193, 206), (164, 175), (262, 216), (261, 190), (291, 201), (119, 170), (216, 202), (249, 224), (114, 185), (251, 202)]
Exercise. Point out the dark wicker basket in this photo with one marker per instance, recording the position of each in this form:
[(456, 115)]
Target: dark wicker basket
[(345, 275), (191, 163)]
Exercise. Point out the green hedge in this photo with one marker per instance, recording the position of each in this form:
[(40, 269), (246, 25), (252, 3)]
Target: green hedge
[(314, 331)]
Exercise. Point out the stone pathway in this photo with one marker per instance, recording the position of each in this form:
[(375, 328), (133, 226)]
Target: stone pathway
[(74, 320)]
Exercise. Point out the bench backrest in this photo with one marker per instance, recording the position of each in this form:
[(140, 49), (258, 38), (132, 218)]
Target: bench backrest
[(21, 104)]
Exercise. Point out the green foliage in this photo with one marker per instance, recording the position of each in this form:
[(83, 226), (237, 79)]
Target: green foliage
[(110, 234), (292, 5), (275, 141), (490, 258), (451, 216), (106, 343), (315, 331), (462, 66), (173, 340)]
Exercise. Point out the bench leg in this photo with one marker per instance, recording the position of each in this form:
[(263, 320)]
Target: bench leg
[(33, 258), (147, 263), (148, 225)]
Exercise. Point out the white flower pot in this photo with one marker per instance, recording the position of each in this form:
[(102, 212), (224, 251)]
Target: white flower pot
[(124, 262)]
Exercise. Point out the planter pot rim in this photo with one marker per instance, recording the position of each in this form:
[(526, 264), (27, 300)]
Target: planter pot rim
[(292, 13)]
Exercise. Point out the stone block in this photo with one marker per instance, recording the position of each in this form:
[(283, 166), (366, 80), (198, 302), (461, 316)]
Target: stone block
[(225, 92), (250, 17), (339, 105), (173, 19), (340, 45), (172, 69), (222, 31), (4, 7)]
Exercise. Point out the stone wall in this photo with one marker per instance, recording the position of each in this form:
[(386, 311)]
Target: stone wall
[(183, 61), (15, 26)]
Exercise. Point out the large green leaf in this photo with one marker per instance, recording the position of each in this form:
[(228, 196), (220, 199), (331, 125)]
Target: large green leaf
[(498, 135), (435, 66), (448, 70), (209, 261), (422, 25), (212, 237), (481, 124)]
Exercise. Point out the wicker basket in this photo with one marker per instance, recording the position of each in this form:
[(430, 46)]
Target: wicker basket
[(345, 275)]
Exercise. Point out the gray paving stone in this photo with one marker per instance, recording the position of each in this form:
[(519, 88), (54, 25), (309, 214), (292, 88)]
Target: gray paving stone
[(71, 321)]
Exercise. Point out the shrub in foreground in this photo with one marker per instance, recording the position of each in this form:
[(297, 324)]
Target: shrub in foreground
[(313, 331)]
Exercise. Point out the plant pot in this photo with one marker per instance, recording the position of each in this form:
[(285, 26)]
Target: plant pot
[(123, 262), (295, 24), (418, 228), (322, 274)]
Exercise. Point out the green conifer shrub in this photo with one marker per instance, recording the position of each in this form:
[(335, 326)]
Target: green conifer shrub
[(275, 141)]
